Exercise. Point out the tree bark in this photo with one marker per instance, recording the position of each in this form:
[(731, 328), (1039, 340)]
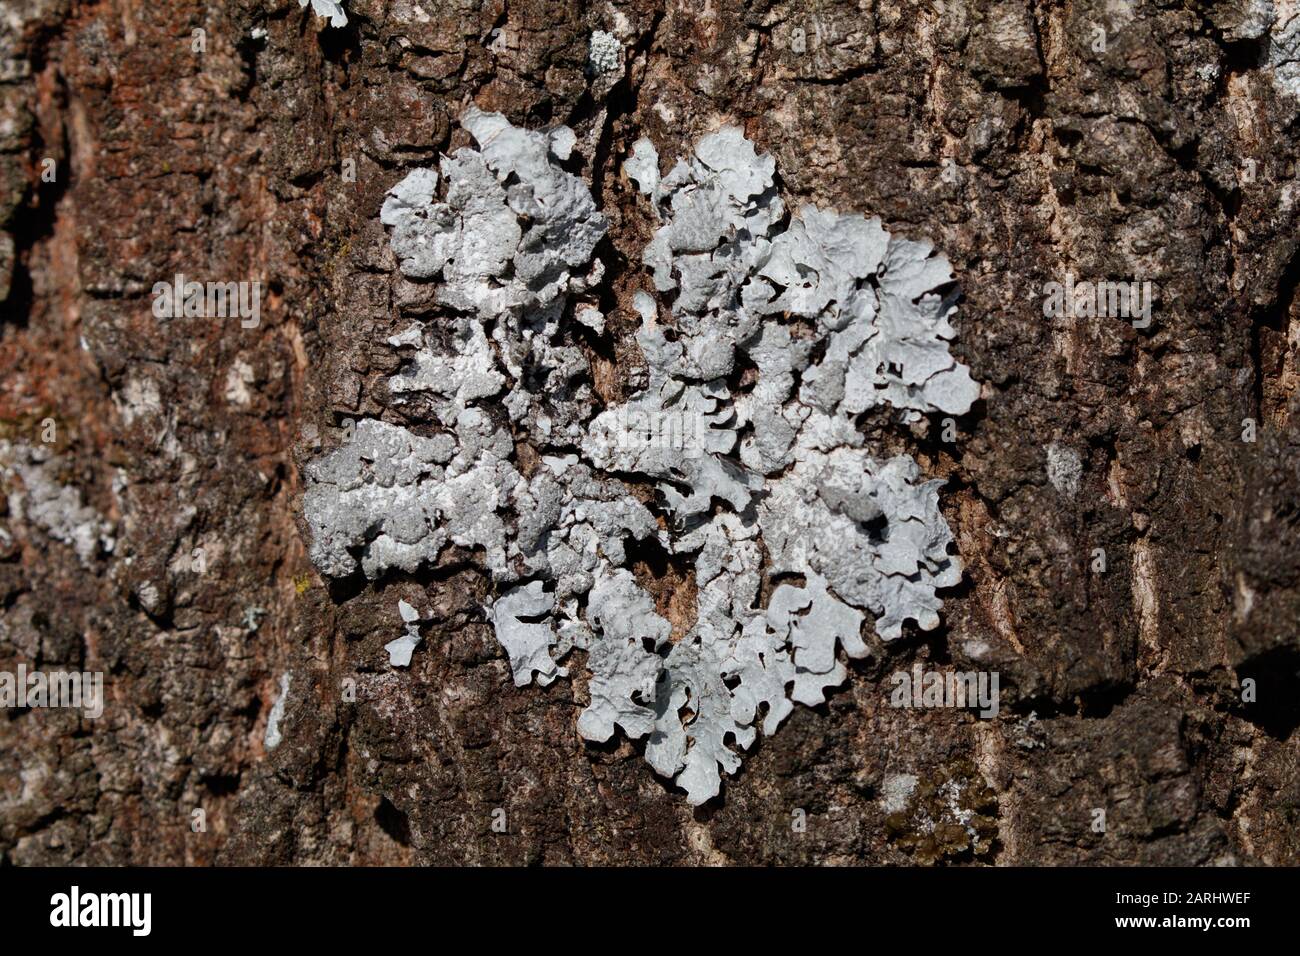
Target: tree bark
[(1162, 691)]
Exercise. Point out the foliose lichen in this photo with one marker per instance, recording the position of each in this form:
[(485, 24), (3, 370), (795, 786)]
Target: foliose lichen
[(400, 649), (781, 331), (328, 8)]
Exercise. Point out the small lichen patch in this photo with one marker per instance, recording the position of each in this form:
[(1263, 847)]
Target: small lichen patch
[(950, 815), (1064, 469), (604, 52), (328, 8), (273, 736), (401, 649), (896, 791), (1282, 49), (36, 495)]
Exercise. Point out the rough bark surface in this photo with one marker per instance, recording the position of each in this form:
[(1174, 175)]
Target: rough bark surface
[(995, 128)]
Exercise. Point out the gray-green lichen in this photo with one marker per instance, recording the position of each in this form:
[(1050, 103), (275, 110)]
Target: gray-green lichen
[(757, 475), (604, 52), (273, 735), (514, 232), (328, 8), (400, 649), (36, 495)]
